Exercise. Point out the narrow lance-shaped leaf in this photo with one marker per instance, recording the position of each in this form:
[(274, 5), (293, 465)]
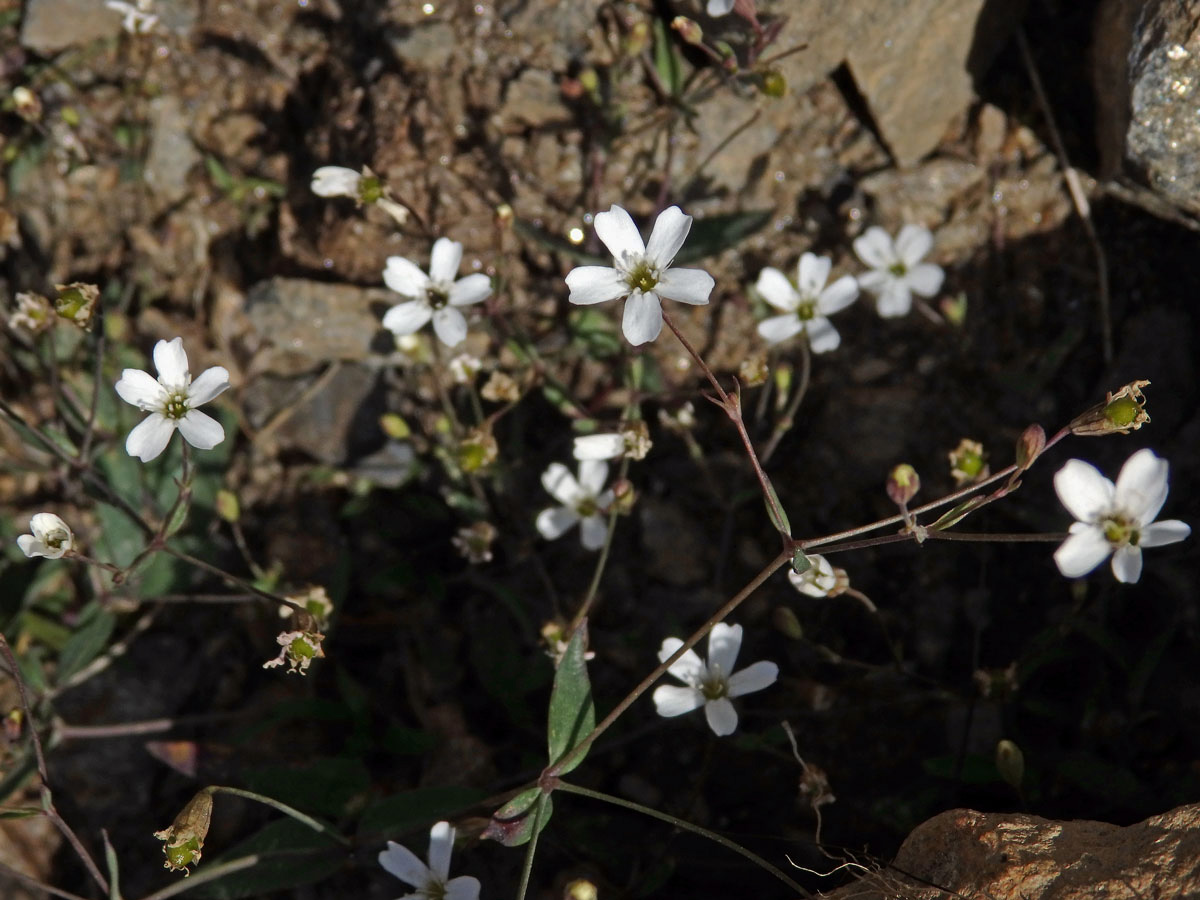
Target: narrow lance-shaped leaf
[(512, 824), (572, 712)]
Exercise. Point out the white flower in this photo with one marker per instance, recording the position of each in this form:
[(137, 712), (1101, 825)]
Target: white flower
[(582, 500), (719, 7), (51, 538), (171, 401), (642, 271), (820, 580), (897, 271), (432, 882), (336, 181), (137, 16), (1114, 519), (712, 685), (633, 440), (464, 368), (436, 295), (806, 309)]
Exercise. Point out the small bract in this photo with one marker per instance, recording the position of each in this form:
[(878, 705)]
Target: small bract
[(432, 881)]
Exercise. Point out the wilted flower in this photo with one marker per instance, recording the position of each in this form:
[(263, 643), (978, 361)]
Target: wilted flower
[(897, 271), (500, 388), (51, 538), (433, 881), (76, 302), (316, 603), (474, 542), (806, 309), (583, 501), (1121, 413), (300, 648), (821, 579), (184, 840), (137, 16), (642, 271), (171, 401), (34, 313), (436, 296), (1116, 519), (711, 685), (968, 462)]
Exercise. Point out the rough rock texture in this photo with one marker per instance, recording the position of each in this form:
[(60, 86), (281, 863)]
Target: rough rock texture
[(52, 25), (1018, 857), (1146, 59)]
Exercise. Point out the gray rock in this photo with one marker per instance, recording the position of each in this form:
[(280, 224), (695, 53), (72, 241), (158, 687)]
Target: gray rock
[(172, 153), (1147, 77), (306, 323), (52, 25), (427, 46), (532, 99)]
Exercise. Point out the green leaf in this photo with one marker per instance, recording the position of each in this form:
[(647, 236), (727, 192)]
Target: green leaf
[(299, 855), (775, 510), (572, 712), (412, 809), (666, 60), (710, 236), (512, 824), (88, 641), (800, 562)]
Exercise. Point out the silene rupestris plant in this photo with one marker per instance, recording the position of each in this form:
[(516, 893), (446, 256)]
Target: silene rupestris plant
[(520, 466)]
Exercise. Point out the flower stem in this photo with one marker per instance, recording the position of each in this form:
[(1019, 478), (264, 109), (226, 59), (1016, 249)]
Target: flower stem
[(527, 867), (785, 423), (285, 809), (686, 826)]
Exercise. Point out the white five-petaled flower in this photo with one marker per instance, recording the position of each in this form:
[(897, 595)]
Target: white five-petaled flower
[(641, 271), (896, 268), (1116, 519), (711, 685), (171, 401), (51, 538), (819, 580), (583, 500), (434, 296), (808, 308), (137, 16), (433, 881)]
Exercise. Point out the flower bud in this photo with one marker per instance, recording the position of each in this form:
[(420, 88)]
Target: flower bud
[(968, 462), (624, 496), (688, 29), (228, 507), (1121, 413), (903, 484), (787, 623), (1010, 762), (773, 84), (76, 302), (478, 450), (394, 426), (639, 38), (1030, 446), (185, 838), (26, 104), (474, 542)]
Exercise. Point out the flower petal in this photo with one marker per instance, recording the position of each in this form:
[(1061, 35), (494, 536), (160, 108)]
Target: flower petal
[(1127, 564), (404, 864), (149, 437), (444, 260), (450, 326), (335, 181), (406, 318), (211, 383), (561, 484), (43, 524), (670, 231), (595, 284), (1083, 490), (838, 295), (822, 336), (593, 532), (1081, 552), (689, 668), (642, 320), (753, 678), (170, 359), (471, 289), (32, 547), (1141, 488), (404, 277), (875, 281), (599, 446), (685, 286), (619, 234), (913, 243), (441, 844), (777, 290), (894, 301), (592, 475), (1167, 532), (670, 700), (464, 887), (778, 329), (717, 8), (812, 273), (925, 279), (201, 430), (724, 642), (874, 248), (722, 717), (141, 389), (556, 521)]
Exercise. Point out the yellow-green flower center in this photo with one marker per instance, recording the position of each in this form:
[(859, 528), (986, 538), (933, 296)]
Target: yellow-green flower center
[(1119, 531), (176, 406), (55, 538), (643, 277), (807, 310), (587, 507), (437, 296), (898, 269), (714, 687)]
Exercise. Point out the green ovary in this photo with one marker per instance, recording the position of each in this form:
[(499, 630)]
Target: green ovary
[(1118, 532), (176, 406), (898, 269), (437, 297), (643, 277), (806, 311)]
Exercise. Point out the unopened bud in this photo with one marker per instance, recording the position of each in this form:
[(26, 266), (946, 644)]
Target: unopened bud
[(581, 889), (773, 84), (185, 838), (787, 623), (1030, 446), (903, 484), (478, 450), (474, 542), (1010, 762), (26, 104), (1121, 413), (753, 371), (688, 29), (76, 302), (370, 188), (505, 215), (228, 507), (624, 496), (639, 38), (394, 426), (968, 462)]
